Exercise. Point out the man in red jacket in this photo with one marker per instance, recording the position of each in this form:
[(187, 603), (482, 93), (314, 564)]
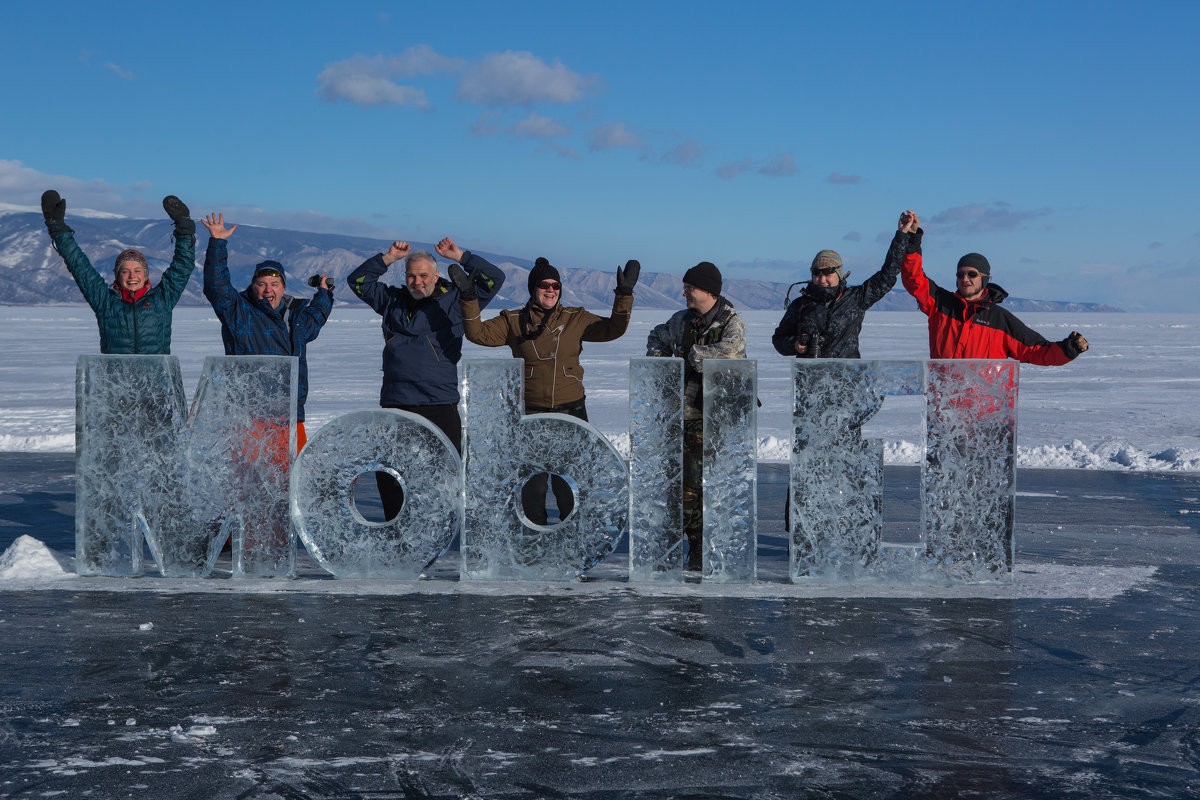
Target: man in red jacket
[(970, 323)]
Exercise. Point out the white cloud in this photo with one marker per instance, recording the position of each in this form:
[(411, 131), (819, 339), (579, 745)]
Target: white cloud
[(780, 166), (535, 126), (120, 72), (984, 218), (732, 170), (614, 134), (24, 186), (371, 80), (521, 79), (845, 180), (687, 152), (560, 150)]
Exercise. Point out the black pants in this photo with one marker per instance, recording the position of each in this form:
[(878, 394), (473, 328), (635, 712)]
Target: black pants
[(533, 494), (446, 418)]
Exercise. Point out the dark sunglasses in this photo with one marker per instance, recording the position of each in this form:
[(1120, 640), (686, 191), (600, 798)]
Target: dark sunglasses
[(825, 271), (968, 273), (549, 285)]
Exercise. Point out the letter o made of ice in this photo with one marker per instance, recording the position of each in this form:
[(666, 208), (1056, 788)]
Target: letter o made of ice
[(378, 440)]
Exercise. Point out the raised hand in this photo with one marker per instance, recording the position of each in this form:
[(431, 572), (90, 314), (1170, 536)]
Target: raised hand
[(446, 248), (54, 210), (1077, 340), (397, 251), (216, 226), (628, 277), (460, 278), (909, 222), (179, 213)]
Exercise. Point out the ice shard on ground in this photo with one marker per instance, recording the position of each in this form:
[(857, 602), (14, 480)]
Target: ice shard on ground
[(129, 414), (730, 470), (656, 540), (968, 482), (502, 451), (836, 485), (354, 447), (241, 440)]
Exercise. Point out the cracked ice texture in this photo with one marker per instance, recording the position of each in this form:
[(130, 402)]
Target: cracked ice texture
[(730, 470), (502, 450), (242, 436), (414, 452), (655, 468), (129, 412), (836, 481), (968, 481)]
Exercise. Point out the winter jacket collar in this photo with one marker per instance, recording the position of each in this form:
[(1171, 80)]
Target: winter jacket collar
[(132, 297)]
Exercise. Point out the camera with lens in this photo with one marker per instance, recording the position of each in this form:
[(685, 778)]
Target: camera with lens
[(315, 281), (812, 341)]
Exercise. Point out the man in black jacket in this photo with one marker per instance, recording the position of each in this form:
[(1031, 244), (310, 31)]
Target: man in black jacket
[(827, 317)]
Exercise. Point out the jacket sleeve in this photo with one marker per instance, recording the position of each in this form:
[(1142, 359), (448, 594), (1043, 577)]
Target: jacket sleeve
[(364, 282), (218, 288), (1030, 347), (876, 287), (487, 276), (731, 345), (919, 286), (662, 341), (605, 329), (315, 314), (93, 287), (175, 279), (784, 338), (492, 333)]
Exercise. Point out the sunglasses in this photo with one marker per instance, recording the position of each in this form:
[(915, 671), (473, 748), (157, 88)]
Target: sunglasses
[(550, 286), (968, 273), (825, 271), (270, 272)]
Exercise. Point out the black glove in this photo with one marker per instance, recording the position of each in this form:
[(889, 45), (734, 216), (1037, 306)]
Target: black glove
[(1073, 345), (914, 240), (54, 210), (460, 278), (627, 278), (180, 215)]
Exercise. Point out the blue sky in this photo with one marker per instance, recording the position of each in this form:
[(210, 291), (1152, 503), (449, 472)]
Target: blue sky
[(1058, 139)]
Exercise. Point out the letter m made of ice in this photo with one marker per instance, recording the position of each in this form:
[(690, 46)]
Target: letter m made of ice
[(145, 468)]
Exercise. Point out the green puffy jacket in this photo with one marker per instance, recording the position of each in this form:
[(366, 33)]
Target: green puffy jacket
[(141, 327)]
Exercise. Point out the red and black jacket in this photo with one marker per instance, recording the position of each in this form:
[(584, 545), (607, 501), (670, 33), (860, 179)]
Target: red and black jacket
[(979, 328)]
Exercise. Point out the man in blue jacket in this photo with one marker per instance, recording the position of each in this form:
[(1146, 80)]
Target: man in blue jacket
[(423, 333), (262, 320)]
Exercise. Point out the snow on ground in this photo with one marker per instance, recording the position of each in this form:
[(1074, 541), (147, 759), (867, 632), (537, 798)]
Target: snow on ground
[(1125, 405)]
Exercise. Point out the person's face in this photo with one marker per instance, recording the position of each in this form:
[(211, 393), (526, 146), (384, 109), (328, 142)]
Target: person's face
[(269, 288), (131, 276), (698, 299), (970, 283), (823, 277), (547, 293), (421, 277)]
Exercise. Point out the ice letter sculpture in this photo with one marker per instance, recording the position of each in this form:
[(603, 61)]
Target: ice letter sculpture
[(730, 470), (242, 436), (351, 448), (129, 413), (837, 476), (655, 469), (969, 477), (967, 480), (502, 451)]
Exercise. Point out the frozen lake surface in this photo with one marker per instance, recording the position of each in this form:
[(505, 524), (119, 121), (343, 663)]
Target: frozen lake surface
[(1127, 404), (317, 688)]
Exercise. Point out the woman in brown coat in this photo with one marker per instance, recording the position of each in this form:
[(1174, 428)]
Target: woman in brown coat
[(549, 338)]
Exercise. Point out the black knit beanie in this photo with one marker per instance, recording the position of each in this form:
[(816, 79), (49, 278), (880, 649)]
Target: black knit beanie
[(976, 261), (542, 271), (706, 276)]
